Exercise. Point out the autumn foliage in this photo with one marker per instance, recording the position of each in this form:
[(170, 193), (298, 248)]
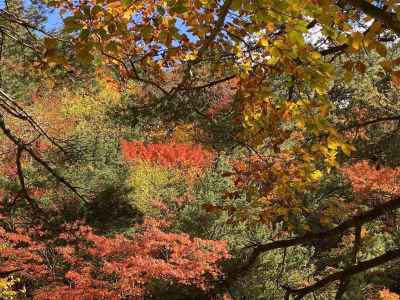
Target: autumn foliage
[(174, 155), (79, 264), (231, 149), (385, 294), (366, 178)]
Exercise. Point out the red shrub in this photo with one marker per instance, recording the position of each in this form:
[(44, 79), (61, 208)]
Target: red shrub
[(90, 266), (365, 178), (183, 156)]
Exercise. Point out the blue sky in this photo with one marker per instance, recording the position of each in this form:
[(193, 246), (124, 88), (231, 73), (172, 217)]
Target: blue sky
[(54, 20)]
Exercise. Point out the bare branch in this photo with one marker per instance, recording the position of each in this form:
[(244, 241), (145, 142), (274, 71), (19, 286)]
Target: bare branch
[(21, 179), (210, 84), (24, 147), (20, 113)]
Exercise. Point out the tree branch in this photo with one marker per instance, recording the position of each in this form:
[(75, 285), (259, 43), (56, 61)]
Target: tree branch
[(20, 113), (361, 267), (217, 28), (8, 273), (21, 146), (344, 282), (357, 220), (21, 179), (334, 50), (389, 20), (370, 122), (210, 84)]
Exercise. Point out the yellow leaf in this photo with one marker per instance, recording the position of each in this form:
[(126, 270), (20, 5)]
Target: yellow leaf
[(282, 211), (316, 175), (275, 55), (347, 149), (356, 40), (190, 56), (301, 124), (270, 27), (320, 90), (315, 55), (333, 143), (264, 42)]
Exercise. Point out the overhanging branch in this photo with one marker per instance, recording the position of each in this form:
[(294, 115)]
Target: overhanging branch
[(388, 19), (361, 267), (355, 221)]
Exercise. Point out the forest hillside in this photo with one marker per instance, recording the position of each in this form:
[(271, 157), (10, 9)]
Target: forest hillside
[(200, 149)]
